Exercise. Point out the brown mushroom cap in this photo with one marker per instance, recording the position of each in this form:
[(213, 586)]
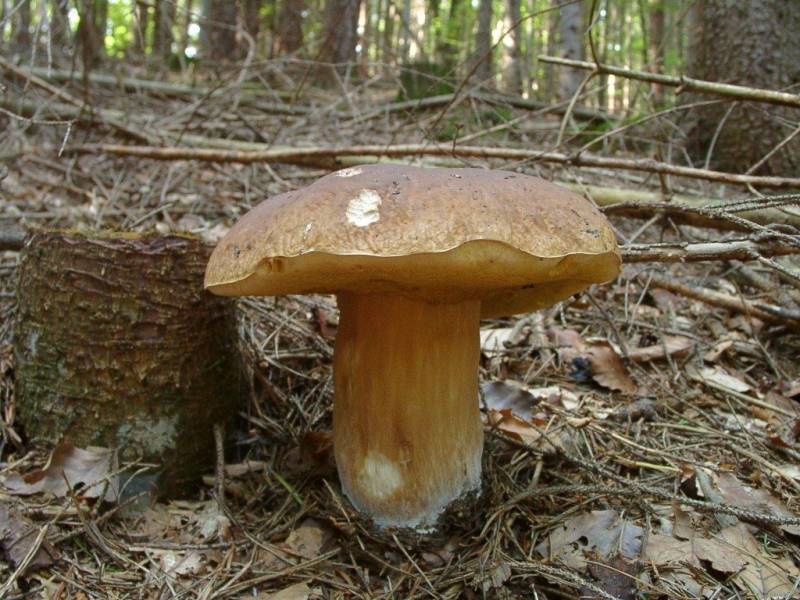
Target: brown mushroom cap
[(515, 242)]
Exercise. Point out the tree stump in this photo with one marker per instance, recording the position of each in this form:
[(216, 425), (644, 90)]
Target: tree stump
[(118, 345)]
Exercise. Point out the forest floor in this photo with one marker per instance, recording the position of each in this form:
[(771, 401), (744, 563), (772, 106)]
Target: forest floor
[(640, 443)]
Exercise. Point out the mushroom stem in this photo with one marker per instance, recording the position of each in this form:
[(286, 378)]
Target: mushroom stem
[(407, 431)]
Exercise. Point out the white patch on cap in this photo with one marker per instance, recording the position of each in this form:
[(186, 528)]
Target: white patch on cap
[(364, 209), (350, 172), (379, 477)]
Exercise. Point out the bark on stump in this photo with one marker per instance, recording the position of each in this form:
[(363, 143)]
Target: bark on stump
[(117, 344)]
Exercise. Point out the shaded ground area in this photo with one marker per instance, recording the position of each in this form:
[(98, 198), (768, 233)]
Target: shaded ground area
[(639, 442)]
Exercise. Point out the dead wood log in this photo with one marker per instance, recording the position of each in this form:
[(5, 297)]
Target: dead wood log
[(430, 102), (117, 344)]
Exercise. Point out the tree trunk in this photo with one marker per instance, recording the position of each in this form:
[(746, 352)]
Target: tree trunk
[(117, 344), (90, 34), (366, 39), (433, 26), (753, 43), (3, 12), (482, 55), (21, 34), (290, 27), (656, 42), (340, 33), (99, 22), (405, 32), (222, 30), (251, 19), (513, 74), (570, 44), (60, 33), (163, 23), (141, 24), (185, 23)]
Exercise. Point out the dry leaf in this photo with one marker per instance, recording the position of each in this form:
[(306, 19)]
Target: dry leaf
[(604, 364), (298, 591), (717, 350), (502, 395), (597, 534), (763, 576), (664, 299), (496, 577), (17, 537), (719, 377), (682, 523), (665, 550), (643, 408), (307, 539), (175, 563), (67, 468), (736, 493), (568, 343), (510, 424), (616, 577), (493, 341), (608, 369)]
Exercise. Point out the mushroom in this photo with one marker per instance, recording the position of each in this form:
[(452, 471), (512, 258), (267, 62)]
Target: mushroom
[(416, 257)]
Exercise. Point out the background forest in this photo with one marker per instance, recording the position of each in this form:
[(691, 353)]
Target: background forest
[(642, 438)]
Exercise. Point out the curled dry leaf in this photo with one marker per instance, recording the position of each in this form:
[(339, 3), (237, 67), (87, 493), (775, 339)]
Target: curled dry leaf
[(604, 364), (93, 469), (608, 369), (17, 538), (525, 431)]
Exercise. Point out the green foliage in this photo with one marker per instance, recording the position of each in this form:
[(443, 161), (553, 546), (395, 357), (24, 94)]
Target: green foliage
[(422, 79), (119, 27)]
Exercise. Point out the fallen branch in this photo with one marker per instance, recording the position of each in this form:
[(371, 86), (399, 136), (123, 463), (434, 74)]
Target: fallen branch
[(728, 90), (642, 204), (329, 157), (704, 251), (766, 312), (496, 99)]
